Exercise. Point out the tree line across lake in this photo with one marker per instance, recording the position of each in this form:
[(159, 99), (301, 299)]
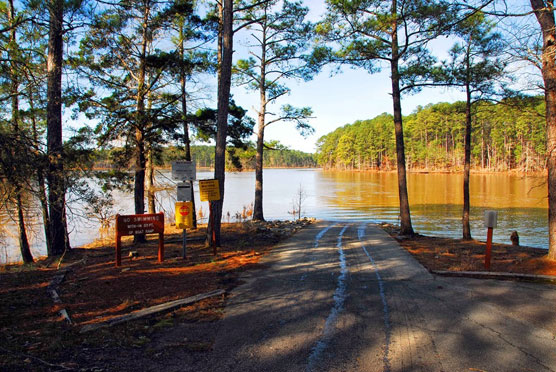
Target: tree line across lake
[(239, 159), (509, 135)]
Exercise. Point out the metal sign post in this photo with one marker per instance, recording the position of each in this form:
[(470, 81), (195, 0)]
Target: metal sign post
[(491, 218), (184, 244), (185, 171), (184, 219)]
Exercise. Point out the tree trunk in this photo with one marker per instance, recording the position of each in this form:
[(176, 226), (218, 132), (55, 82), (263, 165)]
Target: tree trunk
[(22, 232), (467, 167), (405, 216), (258, 206), (139, 185), (150, 182), (149, 169), (140, 158), (23, 241), (186, 140), (40, 174), (545, 16), (483, 146), (55, 176), (224, 83)]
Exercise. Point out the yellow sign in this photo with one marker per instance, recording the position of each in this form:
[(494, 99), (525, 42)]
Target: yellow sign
[(184, 215), (209, 190)]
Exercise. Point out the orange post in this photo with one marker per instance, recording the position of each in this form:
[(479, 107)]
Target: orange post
[(118, 244), (213, 236), (161, 247), (488, 248)]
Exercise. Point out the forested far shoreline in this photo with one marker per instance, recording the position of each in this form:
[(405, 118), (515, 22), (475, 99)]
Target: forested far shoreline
[(507, 136), (238, 159)]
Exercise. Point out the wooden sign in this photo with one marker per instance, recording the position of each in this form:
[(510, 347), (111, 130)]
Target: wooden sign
[(138, 224), (209, 190)]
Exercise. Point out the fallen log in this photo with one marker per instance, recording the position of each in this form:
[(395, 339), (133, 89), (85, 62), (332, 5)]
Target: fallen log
[(151, 310), (51, 289)]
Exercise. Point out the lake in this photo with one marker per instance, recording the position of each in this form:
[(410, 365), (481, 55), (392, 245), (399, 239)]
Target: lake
[(436, 202)]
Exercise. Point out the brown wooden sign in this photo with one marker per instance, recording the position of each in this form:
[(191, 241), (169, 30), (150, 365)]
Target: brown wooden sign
[(138, 224)]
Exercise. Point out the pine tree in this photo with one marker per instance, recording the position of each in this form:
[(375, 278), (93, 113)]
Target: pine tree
[(371, 32), (474, 67), (279, 36)]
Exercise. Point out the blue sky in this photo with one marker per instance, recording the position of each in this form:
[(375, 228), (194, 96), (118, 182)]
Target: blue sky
[(352, 95), (336, 100), (339, 100)]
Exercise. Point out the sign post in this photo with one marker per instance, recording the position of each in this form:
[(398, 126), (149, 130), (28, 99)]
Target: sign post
[(491, 218), (209, 190), (139, 224), (184, 219), (185, 171)]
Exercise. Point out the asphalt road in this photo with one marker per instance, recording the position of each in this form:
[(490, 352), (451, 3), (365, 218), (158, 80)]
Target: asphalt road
[(346, 297)]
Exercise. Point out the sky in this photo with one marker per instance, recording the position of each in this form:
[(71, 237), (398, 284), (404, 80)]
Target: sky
[(341, 99), (336, 100)]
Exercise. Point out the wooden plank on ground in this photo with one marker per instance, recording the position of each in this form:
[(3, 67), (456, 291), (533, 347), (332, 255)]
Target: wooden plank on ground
[(497, 275), (151, 310), (58, 278)]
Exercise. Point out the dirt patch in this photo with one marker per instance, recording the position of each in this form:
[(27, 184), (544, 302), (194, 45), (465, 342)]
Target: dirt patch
[(464, 255), (34, 337)]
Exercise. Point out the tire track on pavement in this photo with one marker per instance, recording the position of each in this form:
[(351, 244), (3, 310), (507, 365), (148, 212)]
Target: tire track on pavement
[(385, 308), (339, 298)]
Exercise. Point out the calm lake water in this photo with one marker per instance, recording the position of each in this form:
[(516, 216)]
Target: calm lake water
[(436, 202)]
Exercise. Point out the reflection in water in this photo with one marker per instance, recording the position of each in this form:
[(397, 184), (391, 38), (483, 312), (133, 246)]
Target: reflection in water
[(436, 201)]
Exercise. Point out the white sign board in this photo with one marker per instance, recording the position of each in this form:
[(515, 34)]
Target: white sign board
[(184, 193), (183, 170), (491, 218)]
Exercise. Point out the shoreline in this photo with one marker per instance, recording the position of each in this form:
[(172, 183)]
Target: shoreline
[(535, 173), (170, 231)]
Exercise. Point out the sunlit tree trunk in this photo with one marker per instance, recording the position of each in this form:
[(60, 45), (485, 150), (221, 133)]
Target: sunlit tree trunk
[(149, 171), (467, 166), (544, 11), (406, 227), (258, 205), (224, 83)]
